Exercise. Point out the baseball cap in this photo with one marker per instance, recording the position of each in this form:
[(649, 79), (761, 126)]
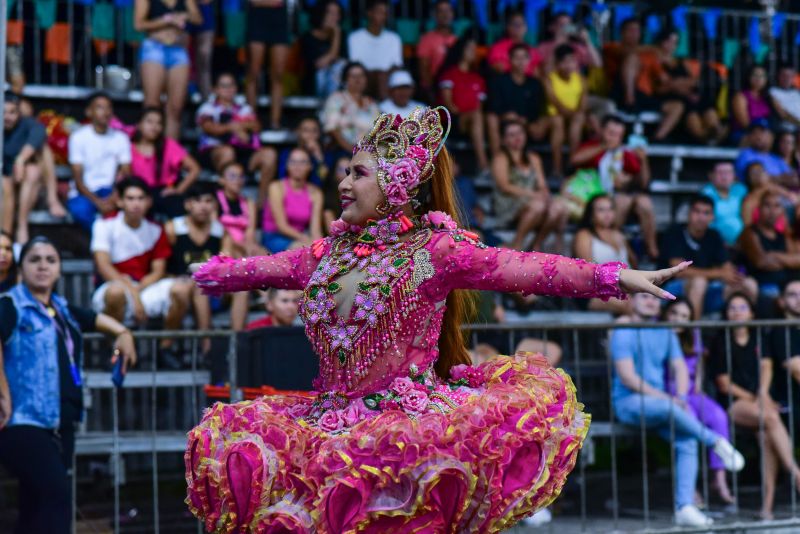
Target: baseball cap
[(400, 78)]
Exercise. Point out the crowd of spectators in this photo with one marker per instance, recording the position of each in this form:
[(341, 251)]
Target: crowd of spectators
[(505, 99)]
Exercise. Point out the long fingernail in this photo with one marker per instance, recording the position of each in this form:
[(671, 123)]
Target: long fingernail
[(668, 295)]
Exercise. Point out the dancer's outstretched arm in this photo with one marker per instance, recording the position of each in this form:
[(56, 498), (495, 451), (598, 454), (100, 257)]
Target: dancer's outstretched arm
[(285, 270), (466, 265)]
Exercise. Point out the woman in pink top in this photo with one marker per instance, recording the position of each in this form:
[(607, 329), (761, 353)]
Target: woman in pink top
[(516, 28), (159, 161), (236, 212), (752, 103), (293, 215)]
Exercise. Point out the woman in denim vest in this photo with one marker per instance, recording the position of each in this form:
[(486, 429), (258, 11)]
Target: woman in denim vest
[(40, 386)]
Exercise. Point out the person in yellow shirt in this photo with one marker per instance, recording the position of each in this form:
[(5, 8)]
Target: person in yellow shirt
[(566, 94)]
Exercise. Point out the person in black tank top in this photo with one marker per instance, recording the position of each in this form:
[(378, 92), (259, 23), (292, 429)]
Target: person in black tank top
[(772, 258), (163, 56)]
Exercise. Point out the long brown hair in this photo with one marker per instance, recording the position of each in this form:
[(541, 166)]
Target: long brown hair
[(452, 346)]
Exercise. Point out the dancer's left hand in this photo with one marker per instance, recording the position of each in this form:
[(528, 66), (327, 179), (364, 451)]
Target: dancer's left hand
[(631, 281)]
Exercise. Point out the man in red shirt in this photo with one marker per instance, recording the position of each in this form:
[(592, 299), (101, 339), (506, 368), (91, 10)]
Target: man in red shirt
[(624, 174), (433, 45), (282, 306), (130, 254)]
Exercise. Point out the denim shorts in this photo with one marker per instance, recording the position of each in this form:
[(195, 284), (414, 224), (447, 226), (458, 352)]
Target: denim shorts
[(166, 55)]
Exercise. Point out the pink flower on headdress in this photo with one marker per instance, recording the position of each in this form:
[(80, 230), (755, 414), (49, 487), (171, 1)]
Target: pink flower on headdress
[(418, 153), (396, 193), (405, 171)]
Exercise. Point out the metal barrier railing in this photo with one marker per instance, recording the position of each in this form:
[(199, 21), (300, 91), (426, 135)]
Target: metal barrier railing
[(149, 429)]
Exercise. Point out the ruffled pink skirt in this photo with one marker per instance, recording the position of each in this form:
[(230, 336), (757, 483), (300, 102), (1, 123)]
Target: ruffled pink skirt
[(474, 454)]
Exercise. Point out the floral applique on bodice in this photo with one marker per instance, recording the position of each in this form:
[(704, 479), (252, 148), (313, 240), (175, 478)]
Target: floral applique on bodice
[(355, 308)]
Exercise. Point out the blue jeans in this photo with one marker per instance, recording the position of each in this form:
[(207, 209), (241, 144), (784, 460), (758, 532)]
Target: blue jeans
[(275, 241), (688, 432), (713, 300), (82, 209), (168, 56)]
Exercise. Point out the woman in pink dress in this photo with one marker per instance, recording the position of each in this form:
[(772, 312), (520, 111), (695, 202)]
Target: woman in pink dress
[(402, 434)]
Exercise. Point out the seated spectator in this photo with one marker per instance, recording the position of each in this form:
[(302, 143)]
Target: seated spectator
[(348, 114), (521, 195), (432, 47), (679, 85), (229, 131), (499, 58), (728, 195), (282, 307), (516, 96), (98, 155), (163, 57), (8, 267), (751, 104), (24, 139), (267, 28), (643, 81), (236, 212), (309, 137), (712, 276), (159, 161), (566, 104), (562, 30), (331, 204), (195, 238), (640, 397), (623, 173), (376, 48), (786, 149), (786, 359), (463, 91), (785, 96), (772, 258), (324, 49), (130, 254), (401, 89), (293, 216), (758, 148), (743, 375), (703, 407), (599, 240), (616, 53), (758, 183)]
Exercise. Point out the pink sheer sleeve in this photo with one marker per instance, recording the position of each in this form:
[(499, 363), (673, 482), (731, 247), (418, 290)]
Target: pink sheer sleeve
[(285, 270), (461, 263)]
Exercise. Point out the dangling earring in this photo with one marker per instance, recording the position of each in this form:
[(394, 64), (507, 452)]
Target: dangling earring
[(383, 208)]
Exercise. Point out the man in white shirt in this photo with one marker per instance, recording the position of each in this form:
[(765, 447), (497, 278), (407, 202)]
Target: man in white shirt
[(786, 96), (98, 155), (401, 89), (375, 47)]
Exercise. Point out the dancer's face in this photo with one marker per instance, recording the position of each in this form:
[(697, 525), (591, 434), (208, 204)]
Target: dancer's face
[(359, 191)]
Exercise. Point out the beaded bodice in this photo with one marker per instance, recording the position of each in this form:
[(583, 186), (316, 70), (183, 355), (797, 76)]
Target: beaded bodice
[(373, 303)]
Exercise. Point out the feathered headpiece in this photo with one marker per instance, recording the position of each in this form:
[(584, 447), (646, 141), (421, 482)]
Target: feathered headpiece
[(406, 151)]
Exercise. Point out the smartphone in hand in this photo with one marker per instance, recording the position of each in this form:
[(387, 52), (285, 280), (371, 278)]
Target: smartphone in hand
[(117, 376)]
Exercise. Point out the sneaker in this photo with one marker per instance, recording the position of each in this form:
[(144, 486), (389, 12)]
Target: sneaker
[(169, 359), (731, 458), (691, 516), (542, 517)]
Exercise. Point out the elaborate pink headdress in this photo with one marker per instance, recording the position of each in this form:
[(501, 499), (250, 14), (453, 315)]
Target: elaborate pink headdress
[(406, 151)]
